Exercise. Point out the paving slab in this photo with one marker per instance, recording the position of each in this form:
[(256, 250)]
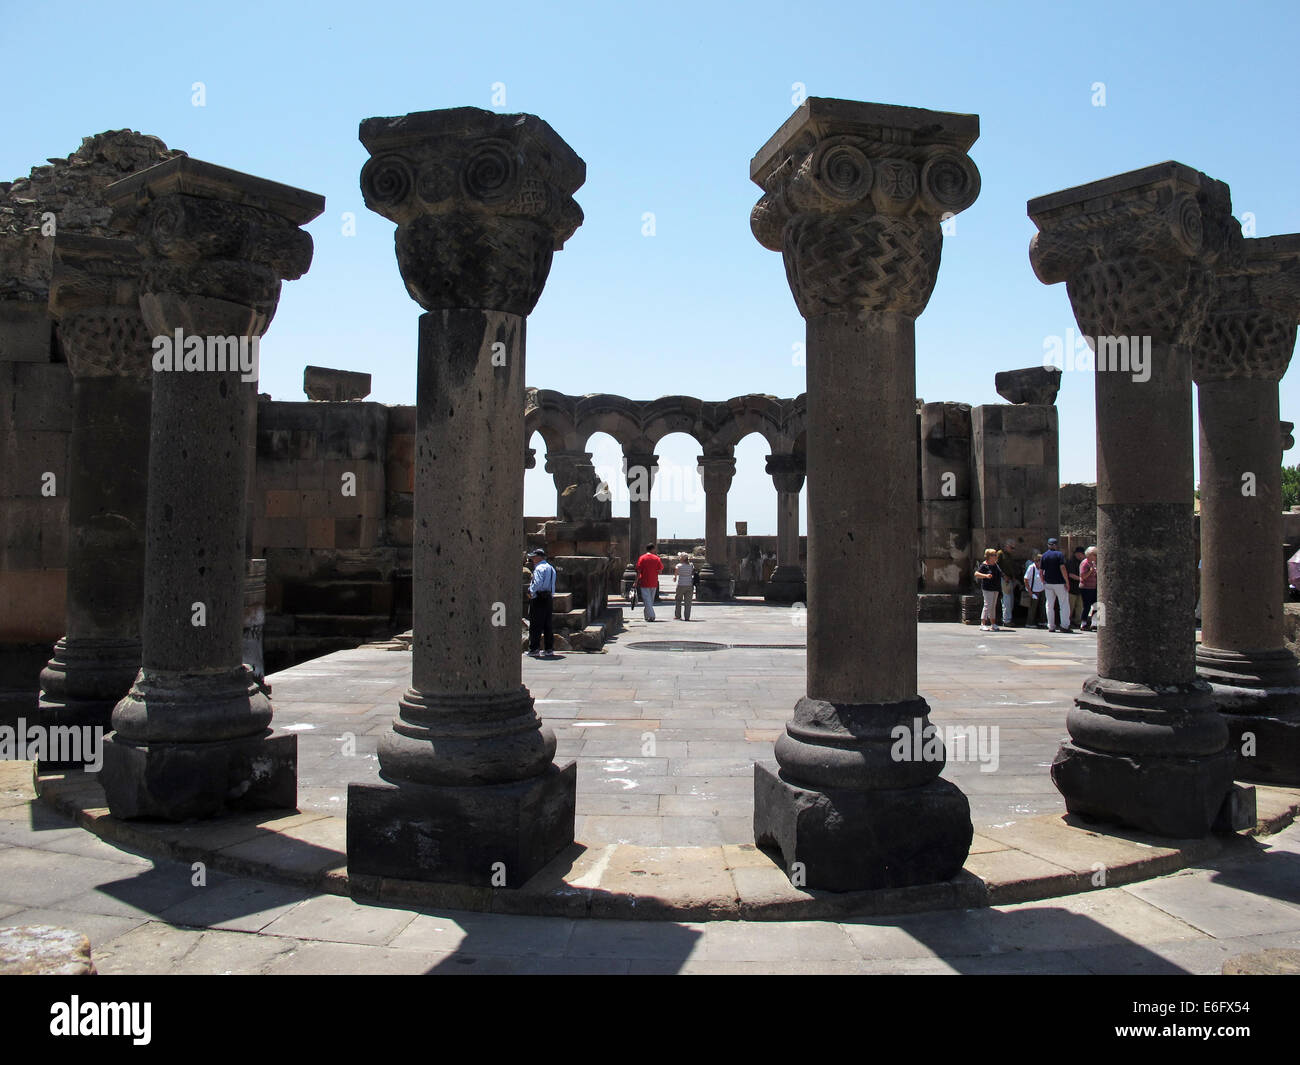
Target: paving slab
[(1215, 907), (340, 920)]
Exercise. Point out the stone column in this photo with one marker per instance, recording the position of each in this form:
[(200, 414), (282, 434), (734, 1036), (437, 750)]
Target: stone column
[(568, 469), (470, 792), (1146, 749), (788, 584), (854, 195), (95, 296), (192, 737), (717, 468), (1240, 357), (639, 467)]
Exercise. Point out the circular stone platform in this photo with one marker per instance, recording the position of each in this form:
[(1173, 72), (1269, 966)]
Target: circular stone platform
[(1039, 858), (665, 746)]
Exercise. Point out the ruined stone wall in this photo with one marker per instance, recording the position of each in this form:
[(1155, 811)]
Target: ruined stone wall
[(1016, 483), (338, 568), (61, 196)]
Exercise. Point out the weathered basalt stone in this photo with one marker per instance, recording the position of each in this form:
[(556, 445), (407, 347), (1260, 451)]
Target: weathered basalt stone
[(787, 583), (481, 203), (1238, 360), (716, 471), (94, 296), (192, 737), (1137, 250), (854, 197), (1036, 384), (335, 386)]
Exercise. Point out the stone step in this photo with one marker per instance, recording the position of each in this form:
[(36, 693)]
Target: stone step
[(593, 636), (366, 626), (562, 602), (570, 620)]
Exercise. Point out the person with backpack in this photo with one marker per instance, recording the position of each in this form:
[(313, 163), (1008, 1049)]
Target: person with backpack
[(1034, 589)]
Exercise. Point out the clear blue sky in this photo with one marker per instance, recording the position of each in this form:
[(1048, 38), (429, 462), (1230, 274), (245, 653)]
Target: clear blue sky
[(667, 102)]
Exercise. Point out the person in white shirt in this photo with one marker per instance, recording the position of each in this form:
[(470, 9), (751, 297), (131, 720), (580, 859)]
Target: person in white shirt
[(685, 588), (1034, 586)]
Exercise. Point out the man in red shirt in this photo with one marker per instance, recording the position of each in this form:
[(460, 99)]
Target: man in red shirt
[(648, 568)]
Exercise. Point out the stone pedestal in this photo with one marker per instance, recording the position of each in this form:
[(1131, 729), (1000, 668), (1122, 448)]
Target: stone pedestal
[(1147, 749), (716, 471), (579, 493), (788, 583), (1241, 354), (94, 295), (471, 794), (192, 738), (946, 554), (854, 197)]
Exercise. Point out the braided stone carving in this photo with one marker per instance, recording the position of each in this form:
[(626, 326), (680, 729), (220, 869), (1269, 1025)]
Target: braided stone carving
[(217, 234), (482, 201), (95, 297), (856, 206), (1137, 250), (1250, 328)]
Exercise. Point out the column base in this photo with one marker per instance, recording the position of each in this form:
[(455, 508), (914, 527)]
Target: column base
[(1175, 797), (850, 840), (716, 583), (1151, 758), (193, 781), (1267, 747), (496, 835), (787, 585), (82, 683), (1258, 695)]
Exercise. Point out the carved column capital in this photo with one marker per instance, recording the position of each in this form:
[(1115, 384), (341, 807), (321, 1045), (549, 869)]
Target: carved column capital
[(95, 298), (1250, 326), (481, 201), (636, 461), (563, 465), (1136, 250), (716, 471), (854, 197), (787, 472), (215, 241)]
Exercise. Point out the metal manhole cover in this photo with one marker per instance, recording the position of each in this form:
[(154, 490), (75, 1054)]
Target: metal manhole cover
[(677, 645)]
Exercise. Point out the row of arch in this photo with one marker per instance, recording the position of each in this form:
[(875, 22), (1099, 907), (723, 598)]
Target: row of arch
[(565, 423)]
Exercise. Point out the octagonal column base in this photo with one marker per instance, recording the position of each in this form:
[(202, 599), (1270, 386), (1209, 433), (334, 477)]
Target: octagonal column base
[(490, 835), (850, 840), (1178, 797), (716, 582), (786, 585), (194, 781), (82, 683)]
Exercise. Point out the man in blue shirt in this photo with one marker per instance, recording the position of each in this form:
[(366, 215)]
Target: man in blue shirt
[(541, 594), (1056, 579)]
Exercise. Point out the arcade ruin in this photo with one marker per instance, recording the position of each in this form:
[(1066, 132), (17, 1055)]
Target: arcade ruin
[(170, 537)]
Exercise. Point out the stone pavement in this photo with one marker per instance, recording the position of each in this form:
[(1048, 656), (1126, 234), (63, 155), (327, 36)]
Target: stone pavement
[(150, 916), (665, 741)]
